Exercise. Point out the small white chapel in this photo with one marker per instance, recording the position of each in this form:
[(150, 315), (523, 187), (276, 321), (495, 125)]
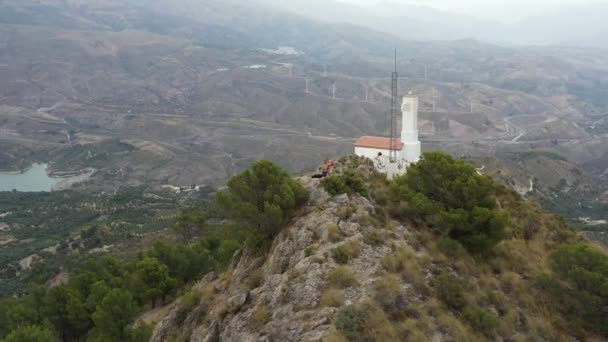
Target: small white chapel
[(407, 147)]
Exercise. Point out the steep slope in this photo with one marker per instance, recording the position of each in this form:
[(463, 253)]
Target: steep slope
[(343, 270)]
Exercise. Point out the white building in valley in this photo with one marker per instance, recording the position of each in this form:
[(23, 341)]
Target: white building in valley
[(407, 147)]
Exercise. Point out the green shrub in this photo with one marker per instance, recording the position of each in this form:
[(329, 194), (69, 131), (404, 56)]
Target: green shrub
[(374, 237), (342, 277), (579, 287), (347, 182), (450, 248), (450, 292), (480, 319), (343, 253), (449, 195), (366, 322), (189, 300), (478, 230), (310, 251), (349, 322)]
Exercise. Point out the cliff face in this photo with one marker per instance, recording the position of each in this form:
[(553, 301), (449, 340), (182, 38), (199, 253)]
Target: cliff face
[(343, 257)]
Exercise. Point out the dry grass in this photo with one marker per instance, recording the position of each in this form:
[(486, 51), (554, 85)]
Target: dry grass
[(377, 326), (455, 328), (255, 279), (387, 289), (408, 265), (410, 330), (342, 277), (333, 298), (344, 213), (335, 336), (346, 251), (333, 232), (259, 317), (374, 237)]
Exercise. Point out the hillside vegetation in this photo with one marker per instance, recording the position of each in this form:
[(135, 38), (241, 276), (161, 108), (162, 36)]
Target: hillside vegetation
[(440, 253)]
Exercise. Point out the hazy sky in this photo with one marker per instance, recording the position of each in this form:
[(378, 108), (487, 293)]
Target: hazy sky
[(496, 9)]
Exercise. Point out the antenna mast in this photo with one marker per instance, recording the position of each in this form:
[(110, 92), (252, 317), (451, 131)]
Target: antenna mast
[(393, 136)]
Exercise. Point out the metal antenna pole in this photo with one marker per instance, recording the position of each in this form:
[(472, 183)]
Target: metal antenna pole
[(333, 91), (393, 139)]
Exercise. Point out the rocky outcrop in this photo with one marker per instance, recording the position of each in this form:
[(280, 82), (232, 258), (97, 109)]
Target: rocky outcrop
[(285, 305)]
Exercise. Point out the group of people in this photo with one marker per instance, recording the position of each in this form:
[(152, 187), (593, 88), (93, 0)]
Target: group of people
[(326, 169)]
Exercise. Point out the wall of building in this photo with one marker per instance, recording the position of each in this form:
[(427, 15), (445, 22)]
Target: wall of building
[(411, 152), (370, 153)]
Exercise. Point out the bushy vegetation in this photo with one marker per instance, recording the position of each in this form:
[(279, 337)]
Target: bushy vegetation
[(30, 333), (349, 321), (342, 277), (262, 198), (579, 287), (346, 251), (347, 182), (105, 294), (450, 196), (450, 292), (332, 297), (76, 222), (364, 322)]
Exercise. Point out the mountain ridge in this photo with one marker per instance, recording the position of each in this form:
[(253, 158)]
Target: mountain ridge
[(394, 275)]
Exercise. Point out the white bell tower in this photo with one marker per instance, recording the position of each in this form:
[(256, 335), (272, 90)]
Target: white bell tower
[(409, 129)]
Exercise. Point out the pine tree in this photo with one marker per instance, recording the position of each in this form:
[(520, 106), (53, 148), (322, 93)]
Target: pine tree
[(263, 197)]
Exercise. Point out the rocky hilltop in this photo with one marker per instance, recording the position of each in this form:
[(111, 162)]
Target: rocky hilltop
[(344, 269)]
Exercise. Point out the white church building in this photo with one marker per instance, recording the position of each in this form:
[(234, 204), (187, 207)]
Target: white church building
[(407, 147)]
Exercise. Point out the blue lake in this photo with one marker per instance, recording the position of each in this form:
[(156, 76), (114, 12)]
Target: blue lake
[(33, 179)]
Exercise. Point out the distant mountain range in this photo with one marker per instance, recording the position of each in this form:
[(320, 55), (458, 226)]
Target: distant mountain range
[(583, 25)]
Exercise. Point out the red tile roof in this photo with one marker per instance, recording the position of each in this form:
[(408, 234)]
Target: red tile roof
[(378, 142)]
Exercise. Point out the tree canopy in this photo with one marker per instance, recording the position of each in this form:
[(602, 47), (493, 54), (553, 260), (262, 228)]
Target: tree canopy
[(151, 280), (114, 314), (450, 196), (30, 333), (263, 197), (583, 271), (190, 223)]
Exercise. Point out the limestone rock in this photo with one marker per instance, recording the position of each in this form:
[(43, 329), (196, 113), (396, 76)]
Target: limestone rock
[(341, 199), (286, 306), (209, 333), (237, 301), (165, 327)]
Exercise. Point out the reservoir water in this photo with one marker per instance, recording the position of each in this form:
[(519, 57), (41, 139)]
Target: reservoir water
[(33, 179)]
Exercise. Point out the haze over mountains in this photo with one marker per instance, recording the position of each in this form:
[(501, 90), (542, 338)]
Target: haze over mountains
[(574, 25)]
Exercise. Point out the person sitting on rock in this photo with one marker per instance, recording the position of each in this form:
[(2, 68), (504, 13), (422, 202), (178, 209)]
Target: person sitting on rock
[(325, 169)]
